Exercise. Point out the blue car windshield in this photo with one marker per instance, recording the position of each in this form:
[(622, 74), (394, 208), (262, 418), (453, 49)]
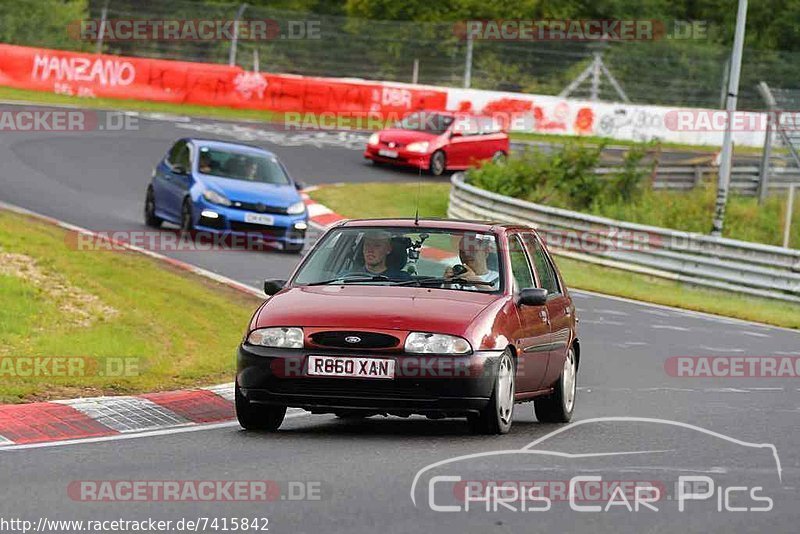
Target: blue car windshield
[(239, 166)]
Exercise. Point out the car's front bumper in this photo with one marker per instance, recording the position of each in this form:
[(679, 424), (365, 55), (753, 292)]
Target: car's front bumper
[(430, 385), (286, 229), (404, 158)]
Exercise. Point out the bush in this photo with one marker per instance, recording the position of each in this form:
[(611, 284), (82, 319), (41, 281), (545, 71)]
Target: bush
[(564, 177)]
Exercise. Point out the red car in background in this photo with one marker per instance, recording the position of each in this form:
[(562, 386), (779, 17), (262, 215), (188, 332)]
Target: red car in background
[(439, 141)]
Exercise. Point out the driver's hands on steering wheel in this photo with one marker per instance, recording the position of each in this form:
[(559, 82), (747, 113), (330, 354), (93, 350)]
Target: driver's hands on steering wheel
[(459, 271)]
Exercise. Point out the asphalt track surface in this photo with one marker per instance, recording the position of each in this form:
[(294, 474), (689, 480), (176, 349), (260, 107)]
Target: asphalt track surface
[(365, 469)]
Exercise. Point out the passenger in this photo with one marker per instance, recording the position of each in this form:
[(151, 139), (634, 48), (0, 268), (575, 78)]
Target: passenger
[(474, 251)]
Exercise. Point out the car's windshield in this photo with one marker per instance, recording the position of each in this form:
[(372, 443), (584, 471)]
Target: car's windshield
[(426, 122), (436, 258), (241, 166)]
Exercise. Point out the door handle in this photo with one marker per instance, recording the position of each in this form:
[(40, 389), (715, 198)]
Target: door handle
[(543, 316), (567, 312)]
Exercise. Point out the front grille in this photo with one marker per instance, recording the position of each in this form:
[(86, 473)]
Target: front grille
[(392, 145), (343, 387), (367, 340), (260, 229), (258, 207)]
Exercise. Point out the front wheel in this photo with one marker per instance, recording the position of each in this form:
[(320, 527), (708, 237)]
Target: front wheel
[(257, 416), (497, 416), (187, 220), (150, 218), (558, 407), (438, 163)]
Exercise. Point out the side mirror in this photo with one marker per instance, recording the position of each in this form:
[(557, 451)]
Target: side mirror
[(299, 185), (180, 169), (532, 296), (273, 286)]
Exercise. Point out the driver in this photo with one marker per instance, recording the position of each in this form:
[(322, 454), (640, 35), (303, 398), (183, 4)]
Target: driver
[(376, 248), (474, 251), (204, 165)]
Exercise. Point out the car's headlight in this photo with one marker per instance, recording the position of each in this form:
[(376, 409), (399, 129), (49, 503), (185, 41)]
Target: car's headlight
[(374, 139), (425, 343), (280, 337), (216, 198), (296, 208), (421, 146)]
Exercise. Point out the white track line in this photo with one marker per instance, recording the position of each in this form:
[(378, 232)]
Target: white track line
[(193, 427)]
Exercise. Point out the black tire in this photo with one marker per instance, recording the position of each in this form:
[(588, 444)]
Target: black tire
[(150, 218), (558, 407), (263, 417), (497, 416), (187, 220), (438, 163), (498, 156)]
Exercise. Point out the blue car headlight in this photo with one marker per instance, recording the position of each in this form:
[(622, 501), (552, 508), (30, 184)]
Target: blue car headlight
[(216, 198), (297, 208)]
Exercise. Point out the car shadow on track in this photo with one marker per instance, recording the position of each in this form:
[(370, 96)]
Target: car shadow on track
[(393, 427)]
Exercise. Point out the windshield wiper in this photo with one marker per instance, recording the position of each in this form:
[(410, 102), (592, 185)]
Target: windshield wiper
[(436, 281), (352, 279)]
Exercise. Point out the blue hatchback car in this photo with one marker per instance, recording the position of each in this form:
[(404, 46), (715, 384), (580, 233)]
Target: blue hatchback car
[(216, 186)]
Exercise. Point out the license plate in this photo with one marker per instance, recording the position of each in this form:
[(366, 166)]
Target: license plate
[(350, 367), (259, 218), (387, 153)]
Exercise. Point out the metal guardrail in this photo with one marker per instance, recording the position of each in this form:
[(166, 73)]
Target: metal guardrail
[(721, 263)]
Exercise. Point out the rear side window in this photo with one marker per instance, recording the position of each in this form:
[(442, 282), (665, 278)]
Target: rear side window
[(520, 268), (547, 274)]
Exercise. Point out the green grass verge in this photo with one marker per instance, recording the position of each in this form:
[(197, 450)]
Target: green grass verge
[(392, 200), (171, 328)]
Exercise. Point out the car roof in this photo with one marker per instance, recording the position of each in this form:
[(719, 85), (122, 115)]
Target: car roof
[(226, 145), (444, 224)]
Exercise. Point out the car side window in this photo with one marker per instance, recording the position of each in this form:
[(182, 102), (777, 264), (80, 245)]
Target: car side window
[(520, 267), (466, 126), (179, 155), (547, 274)]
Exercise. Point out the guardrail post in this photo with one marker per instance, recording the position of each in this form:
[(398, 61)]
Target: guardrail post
[(101, 33), (235, 40), (766, 153), (787, 224)]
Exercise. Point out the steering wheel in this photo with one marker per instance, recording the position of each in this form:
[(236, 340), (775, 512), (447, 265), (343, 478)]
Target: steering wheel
[(458, 270)]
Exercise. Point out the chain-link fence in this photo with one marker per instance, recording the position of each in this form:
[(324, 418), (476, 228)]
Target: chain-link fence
[(687, 72)]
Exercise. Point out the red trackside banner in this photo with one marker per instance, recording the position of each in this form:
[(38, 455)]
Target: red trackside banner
[(92, 75)]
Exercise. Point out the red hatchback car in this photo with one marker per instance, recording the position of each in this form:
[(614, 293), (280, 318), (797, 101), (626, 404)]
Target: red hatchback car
[(439, 141), (400, 317)]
